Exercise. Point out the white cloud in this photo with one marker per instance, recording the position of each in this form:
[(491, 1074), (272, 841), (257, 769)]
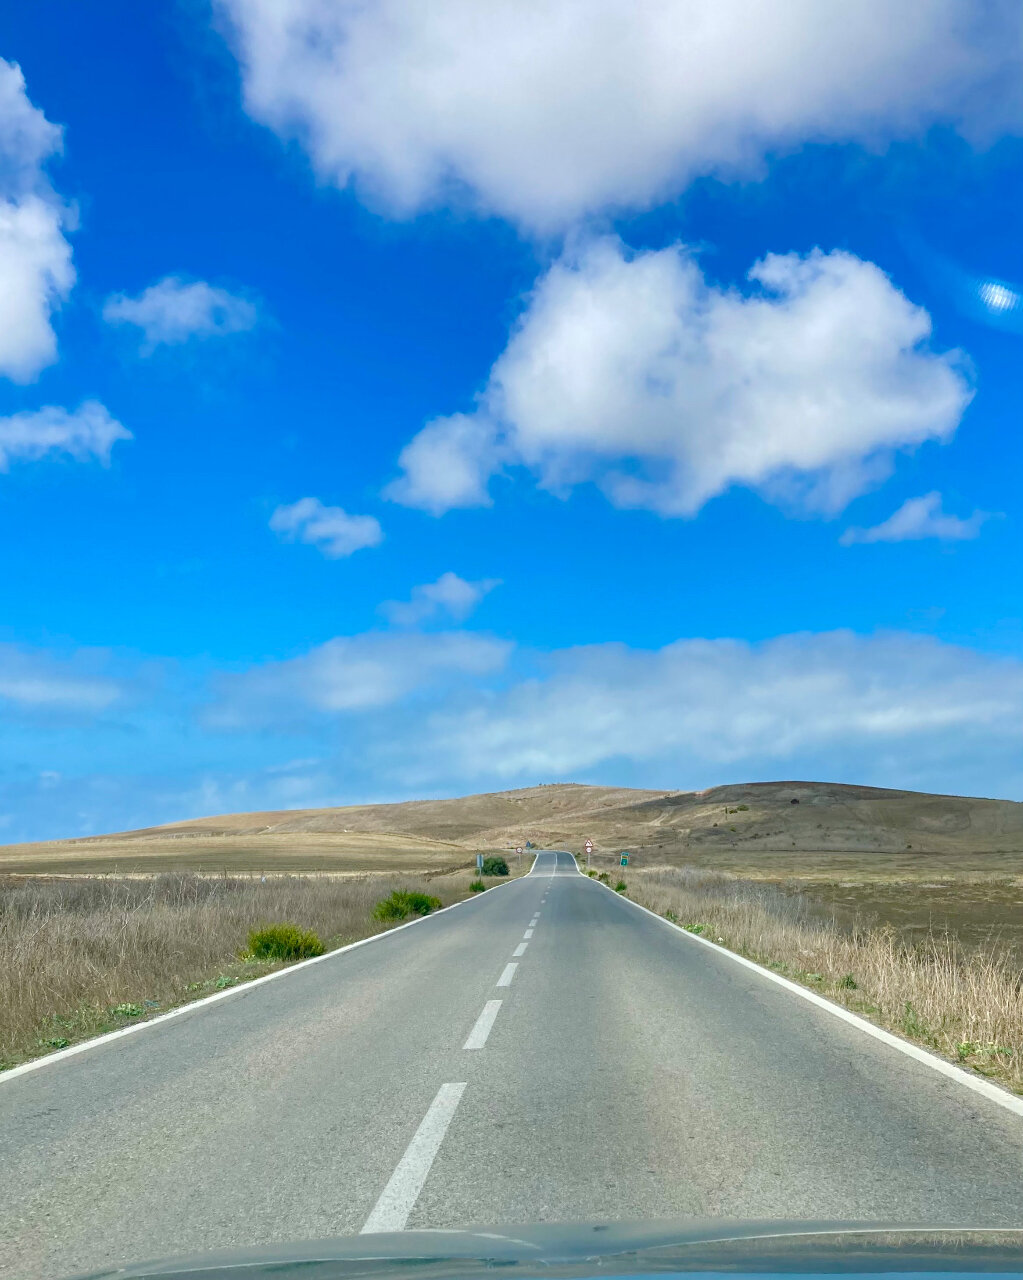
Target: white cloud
[(352, 674), (334, 531), (382, 717), (634, 371), (447, 465), (35, 682), (458, 711), (87, 432), (174, 310), (450, 595), (886, 708), (919, 518), (544, 110), (36, 274)]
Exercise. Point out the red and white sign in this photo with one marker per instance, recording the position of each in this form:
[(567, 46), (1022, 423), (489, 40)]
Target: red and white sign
[(588, 846), (518, 850)]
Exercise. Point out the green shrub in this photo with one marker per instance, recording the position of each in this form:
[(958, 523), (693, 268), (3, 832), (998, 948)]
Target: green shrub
[(404, 903), (621, 886), (477, 886), (495, 866), (848, 983), (604, 878), (284, 942), (128, 1010)]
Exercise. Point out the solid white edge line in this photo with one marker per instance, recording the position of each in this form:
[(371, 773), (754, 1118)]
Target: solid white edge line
[(993, 1092), (483, 1026), (520, 950), (505, 980), (398, 1198), (241, 989)]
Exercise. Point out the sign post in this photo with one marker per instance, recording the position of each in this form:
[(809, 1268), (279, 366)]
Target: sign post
[(588, 846), (479, 862), (625, 859)]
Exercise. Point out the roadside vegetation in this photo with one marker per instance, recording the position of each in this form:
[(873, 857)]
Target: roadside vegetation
[(284, 942), (82, 955), (403, 903), (964, 1003)]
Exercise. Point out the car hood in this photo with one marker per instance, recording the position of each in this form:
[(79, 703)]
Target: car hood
[(610, 1249)]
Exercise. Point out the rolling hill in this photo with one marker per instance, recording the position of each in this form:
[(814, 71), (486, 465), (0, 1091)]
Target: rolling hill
[(738, 826)]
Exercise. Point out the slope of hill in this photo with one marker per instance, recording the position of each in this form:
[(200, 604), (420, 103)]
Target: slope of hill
[(741, 826)]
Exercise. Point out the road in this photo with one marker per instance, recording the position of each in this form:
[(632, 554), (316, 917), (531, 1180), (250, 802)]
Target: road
[(627, 1073)]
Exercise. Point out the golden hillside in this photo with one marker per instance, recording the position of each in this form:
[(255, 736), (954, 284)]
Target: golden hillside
[(738, 825)]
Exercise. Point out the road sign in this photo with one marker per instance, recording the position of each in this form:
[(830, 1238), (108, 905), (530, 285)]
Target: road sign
[(518, 850), (625, 859), (479, 862), (588, 846)]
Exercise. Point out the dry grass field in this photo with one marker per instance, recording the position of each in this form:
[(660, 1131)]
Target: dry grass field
[(236, 853), (965, 1002), (80, 955)]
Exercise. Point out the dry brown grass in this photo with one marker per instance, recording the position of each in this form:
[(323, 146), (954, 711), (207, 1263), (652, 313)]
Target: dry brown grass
[(213, 853), (965, 1004), (72, 950)]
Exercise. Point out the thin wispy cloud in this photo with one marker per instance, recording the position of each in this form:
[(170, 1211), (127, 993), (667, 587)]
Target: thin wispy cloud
[(919, 518), (450, 596), (352, 674), (36, 682), (88, 432), (330, 529), (174, 311)]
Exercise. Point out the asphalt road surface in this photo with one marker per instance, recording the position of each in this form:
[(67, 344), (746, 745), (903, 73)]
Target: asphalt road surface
[(545, 1052)]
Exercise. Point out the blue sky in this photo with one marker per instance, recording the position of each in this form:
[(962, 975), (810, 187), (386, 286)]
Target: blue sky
[(567, 393)]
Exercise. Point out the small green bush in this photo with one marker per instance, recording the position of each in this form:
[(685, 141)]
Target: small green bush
[(848, 983), (604, 878), (670, 915), (404, 903), (128, 1010), (495, 866), (284, 942), (621, 886), (477, 886)]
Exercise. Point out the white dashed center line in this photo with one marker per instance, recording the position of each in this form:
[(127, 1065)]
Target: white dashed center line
[(528, 933), (509, 972), (520, 950), (484, 1023), (398, 1198)]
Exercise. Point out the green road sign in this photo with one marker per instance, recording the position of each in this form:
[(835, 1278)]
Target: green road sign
[(625, 859)]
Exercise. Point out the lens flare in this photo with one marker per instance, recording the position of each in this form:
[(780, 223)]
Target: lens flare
[(998, 297)]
